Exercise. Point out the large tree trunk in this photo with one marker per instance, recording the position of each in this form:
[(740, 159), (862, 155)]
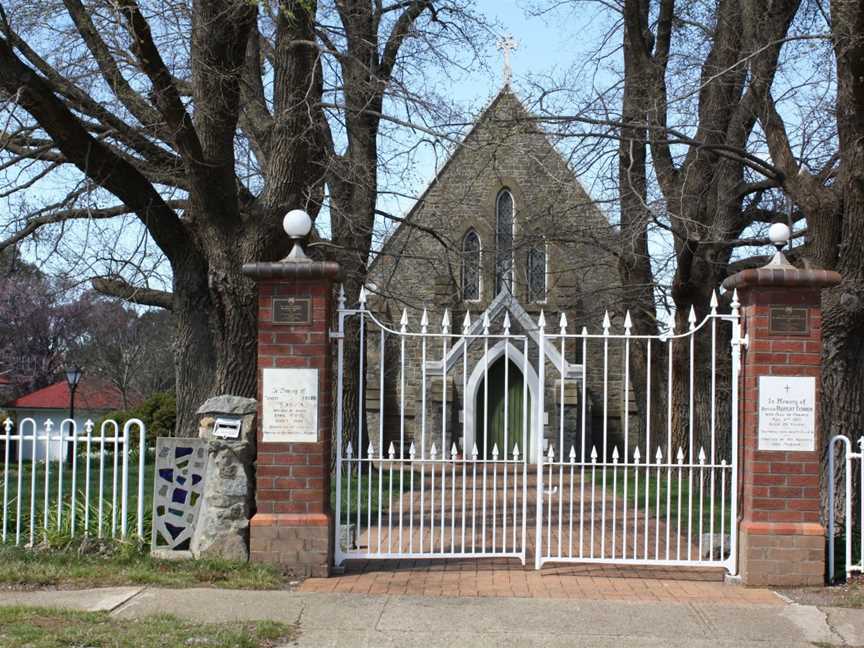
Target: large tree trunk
[(634, 260), (843, 315), (215, 307), (194, 353)]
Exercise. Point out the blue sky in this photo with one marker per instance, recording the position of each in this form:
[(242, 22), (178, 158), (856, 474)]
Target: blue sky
[(552, 45)]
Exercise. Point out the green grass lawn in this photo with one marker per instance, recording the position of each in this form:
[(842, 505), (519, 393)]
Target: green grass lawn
[(350, 487), (87, 563), (50, 628), (669, 491), (65, 518)]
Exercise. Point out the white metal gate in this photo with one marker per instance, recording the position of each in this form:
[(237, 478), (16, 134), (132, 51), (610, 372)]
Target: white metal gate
[(649, 503), (418, 483), (420, 476)]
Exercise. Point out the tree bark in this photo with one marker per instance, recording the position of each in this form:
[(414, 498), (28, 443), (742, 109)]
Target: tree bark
[(634, 260), (842, 408)]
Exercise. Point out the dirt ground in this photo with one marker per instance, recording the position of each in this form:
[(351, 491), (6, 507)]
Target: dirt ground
[(846, 595)]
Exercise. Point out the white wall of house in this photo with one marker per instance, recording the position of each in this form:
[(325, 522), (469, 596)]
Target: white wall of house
[(56, 447)]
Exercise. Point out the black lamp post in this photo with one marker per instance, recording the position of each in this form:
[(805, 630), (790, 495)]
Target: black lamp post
[(73, 377)]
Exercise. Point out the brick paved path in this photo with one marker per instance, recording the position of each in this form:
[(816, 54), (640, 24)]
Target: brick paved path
[(487, 577), (499, 577)]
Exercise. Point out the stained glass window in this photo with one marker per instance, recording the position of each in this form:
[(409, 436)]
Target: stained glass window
[(536, 273), (471, 266), (504, 242)]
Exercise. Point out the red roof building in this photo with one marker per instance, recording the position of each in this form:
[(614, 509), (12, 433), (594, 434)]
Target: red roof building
[(92, 394)]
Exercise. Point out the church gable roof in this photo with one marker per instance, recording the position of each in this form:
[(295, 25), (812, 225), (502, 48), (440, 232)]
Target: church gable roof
[(505, 109)]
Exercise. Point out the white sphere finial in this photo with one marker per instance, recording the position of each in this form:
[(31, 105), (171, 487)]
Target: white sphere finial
[(297, 224), (779, 234)]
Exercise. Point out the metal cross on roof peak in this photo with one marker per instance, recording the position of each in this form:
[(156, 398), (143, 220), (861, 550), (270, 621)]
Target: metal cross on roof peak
[(506, 44)]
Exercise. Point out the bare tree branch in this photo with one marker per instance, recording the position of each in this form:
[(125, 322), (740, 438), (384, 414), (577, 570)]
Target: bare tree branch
[(117, 287)]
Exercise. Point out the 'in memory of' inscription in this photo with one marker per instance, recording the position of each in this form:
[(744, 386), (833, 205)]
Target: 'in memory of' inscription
[(787, 413), (290, 406)]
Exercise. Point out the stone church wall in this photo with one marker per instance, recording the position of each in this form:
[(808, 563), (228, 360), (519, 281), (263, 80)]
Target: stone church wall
[(417, 270)]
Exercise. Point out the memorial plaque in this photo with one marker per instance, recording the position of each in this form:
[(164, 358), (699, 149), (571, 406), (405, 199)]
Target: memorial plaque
[(292, 310), (788, 321), (289, 405), (787, 413)]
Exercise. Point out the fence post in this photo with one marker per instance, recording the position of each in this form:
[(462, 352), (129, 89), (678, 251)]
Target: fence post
[(782, 541), (293, 524)]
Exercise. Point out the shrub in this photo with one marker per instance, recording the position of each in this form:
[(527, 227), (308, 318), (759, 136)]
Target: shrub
[(158, 412)]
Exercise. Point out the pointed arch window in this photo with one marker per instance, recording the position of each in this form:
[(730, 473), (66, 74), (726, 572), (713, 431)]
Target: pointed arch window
[(504, 222), (471, 278), (535, 272)]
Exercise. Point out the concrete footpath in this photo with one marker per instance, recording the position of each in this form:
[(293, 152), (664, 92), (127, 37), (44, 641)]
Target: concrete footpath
[(337, 619)]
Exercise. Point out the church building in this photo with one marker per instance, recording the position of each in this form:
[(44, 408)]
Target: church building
[(504, 232)]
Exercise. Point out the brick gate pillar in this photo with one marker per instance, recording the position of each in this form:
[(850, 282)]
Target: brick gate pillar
[(781, 540), (293, 524)]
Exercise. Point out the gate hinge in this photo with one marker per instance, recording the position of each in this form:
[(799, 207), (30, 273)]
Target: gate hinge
[(336, 335)]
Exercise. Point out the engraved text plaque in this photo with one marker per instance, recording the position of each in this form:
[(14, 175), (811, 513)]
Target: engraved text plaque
[(787, 413), (292, 310), (289, 406)]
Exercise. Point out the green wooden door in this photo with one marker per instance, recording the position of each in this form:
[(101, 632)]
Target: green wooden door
[(494, 415)]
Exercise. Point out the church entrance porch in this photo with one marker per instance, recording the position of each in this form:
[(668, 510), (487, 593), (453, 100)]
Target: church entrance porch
[(478, 444)]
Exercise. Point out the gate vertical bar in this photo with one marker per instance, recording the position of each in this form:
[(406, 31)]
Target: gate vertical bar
[(485, 423), (713, 460), (563, 371), (340, 365), (647, 444), (583, 404), (628, 325), (424, 328), (445, 332), (691, 437), (733, 485), (466, 325), (507, 448), (526, 435), (403, 329), (606, 326), (538, 448), (381, 354), (361, 403)]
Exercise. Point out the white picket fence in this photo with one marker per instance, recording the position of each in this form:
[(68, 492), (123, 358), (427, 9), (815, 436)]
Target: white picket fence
[(849, 526), (103, 467)]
